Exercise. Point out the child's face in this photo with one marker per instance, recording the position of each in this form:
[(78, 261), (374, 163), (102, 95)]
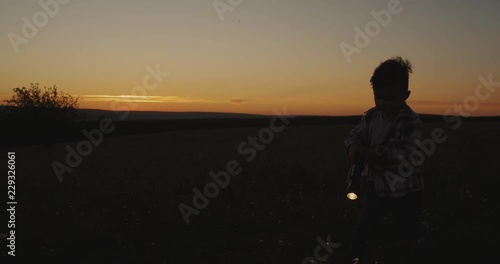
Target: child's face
[(389, 98)]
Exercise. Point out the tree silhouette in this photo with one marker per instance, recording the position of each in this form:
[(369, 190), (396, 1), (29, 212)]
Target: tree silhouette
[(37, 115), (46, 105)]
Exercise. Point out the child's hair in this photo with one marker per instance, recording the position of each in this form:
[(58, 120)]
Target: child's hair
[(392, 71)]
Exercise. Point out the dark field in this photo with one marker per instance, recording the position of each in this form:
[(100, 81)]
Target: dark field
[(120, 205)]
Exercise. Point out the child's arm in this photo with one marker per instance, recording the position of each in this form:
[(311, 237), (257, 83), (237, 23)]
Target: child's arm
[(411, 130), (355, 137)]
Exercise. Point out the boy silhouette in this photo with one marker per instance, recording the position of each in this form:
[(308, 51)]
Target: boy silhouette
[(386, 137)]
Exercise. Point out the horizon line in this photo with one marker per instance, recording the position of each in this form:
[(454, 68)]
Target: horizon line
[(263, 115)]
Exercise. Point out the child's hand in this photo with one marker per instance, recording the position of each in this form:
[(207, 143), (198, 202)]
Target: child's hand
[(353, 150), (370, 154)]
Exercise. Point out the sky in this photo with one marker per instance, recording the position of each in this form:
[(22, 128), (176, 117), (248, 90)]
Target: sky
[(252, 56)]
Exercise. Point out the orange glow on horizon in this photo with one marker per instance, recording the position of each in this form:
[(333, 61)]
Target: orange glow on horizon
[(295, 106)]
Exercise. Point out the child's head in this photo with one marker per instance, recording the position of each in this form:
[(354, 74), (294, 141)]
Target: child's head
[(390, 84)]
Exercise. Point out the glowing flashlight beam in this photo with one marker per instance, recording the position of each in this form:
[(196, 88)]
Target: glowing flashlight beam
[(352, 196)]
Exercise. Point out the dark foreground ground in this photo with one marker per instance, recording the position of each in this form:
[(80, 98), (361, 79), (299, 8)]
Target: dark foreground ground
[(120, 205)]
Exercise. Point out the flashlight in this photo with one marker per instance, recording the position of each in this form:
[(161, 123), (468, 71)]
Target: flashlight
[(354, 177)]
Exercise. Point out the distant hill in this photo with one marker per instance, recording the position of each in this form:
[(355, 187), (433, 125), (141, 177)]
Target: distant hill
[(23, 133), (95, 114)]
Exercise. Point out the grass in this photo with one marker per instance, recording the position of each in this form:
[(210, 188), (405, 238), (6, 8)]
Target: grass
[(122, 201)]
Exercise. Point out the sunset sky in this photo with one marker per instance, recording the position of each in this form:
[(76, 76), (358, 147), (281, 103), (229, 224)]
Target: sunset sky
[(262, 54)]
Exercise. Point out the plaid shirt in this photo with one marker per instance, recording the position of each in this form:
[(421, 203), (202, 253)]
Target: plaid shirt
[(397, 171)]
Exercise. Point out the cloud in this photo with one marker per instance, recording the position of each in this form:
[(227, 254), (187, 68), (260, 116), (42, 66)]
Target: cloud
[(258, 100), (449, 103), (237, 101), (145, 99)]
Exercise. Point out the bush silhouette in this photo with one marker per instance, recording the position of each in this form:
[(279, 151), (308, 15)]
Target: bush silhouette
[(47, 104), (39, 115)]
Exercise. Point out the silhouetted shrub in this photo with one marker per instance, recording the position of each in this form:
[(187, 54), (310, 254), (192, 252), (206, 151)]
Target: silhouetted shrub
[(37, 115), (47, 103)]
